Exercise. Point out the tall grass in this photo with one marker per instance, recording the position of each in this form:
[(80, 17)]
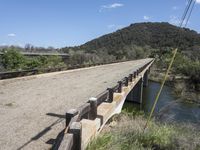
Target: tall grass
[(127, 134)]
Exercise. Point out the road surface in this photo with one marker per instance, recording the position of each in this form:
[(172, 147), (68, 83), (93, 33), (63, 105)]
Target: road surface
[(32, 108)]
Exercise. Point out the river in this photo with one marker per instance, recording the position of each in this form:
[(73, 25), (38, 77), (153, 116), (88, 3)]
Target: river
[(169, 108)]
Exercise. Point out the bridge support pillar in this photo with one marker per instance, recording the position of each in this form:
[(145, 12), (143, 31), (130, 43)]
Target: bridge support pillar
[(136, 93), (145, 78)]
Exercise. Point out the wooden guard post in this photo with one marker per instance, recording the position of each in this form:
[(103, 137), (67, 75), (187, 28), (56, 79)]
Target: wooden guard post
[(126, 81), (110, 95), (76, 129), (119, 86), (93, 108), (131, 77), (69, 115)]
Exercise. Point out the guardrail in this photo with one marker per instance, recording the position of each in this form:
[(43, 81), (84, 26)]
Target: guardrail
[(71, 139), (14, 74), (21, 73)]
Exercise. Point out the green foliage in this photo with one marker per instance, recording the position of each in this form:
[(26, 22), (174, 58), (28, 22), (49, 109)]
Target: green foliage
[(32, 63), (157, 136), (101, 143), (131, 110), (49, 62), (12, 60), (183, 65), (128, 135)]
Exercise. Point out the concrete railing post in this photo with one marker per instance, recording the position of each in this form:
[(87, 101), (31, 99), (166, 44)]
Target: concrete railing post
[(135, 74), (93, 108), (140, 90), (69, 115), (130, 77), (145, 82), (110, 95), (126, 81), (119, 87), (76, 130)]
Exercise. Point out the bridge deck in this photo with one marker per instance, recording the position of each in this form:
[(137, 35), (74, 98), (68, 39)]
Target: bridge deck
[(32, 108)]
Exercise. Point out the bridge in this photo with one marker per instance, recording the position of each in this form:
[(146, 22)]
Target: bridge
[(63, 55), (33, 109)]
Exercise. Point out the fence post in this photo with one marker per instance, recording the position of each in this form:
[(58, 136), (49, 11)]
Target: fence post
[(119, 86), (131, 77), (134, 74), (76, 130), (93, 108), (110, 95), (69, 115), (126, 81)]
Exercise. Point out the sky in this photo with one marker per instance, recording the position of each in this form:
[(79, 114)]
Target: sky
[(61, 23)]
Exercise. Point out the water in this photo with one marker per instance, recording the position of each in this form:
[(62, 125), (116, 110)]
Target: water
[(169, 108)]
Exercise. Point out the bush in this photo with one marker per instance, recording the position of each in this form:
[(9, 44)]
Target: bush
[(12, 60), (128, 135)]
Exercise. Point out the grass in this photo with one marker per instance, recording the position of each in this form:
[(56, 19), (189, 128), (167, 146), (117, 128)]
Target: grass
[(127, 134)]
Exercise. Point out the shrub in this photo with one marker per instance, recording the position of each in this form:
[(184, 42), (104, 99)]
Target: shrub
[(128, 134), (12, 60)]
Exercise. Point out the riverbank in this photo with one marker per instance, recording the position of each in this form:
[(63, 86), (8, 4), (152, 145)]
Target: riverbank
[(125, 132), (182, 87)]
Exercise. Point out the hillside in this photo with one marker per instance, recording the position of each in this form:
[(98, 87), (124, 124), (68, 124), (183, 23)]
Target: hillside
[(146, 35), (142, 40)]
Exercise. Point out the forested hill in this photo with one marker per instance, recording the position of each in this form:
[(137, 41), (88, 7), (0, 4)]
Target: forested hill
[(144, 35)]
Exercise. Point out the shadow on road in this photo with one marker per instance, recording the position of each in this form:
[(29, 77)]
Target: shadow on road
[(47, 129)]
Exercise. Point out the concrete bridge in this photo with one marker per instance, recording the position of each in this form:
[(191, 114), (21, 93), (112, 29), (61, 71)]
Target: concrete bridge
[(32, 109), (63, 55)]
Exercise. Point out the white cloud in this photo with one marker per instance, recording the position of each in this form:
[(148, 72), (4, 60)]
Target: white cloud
[(174, 7), (176, 21), (146, 17), (114, 27), (11, 35), (111, 6), (114, 5), (198, 1), (110, 26)]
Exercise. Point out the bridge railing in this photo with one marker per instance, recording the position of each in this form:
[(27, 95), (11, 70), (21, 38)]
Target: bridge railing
[(71, 139), (20, 73)]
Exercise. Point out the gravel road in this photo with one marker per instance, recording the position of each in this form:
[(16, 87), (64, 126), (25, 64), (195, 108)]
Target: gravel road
[(32, 108)]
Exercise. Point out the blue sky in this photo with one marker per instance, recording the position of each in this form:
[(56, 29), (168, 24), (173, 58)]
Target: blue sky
[(61, 23)]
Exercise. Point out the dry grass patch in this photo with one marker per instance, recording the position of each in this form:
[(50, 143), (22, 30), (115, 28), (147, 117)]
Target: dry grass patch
[(127, 134)]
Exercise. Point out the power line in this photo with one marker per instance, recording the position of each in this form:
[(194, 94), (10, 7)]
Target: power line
[(188, 7), (185, 13), (192, 8)]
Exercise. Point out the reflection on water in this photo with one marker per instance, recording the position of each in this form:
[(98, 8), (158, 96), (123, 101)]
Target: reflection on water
[(168, 107)]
